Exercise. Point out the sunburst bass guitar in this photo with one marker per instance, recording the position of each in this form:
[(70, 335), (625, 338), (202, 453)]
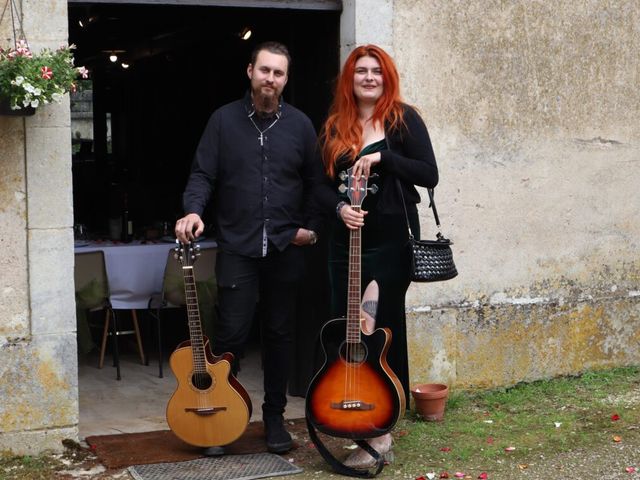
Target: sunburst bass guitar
[(209, 407), (355, 394)]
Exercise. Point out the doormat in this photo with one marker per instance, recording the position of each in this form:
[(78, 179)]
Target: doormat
[(162, 446), (233, 467)]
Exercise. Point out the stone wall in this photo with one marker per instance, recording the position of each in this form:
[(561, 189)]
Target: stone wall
[(38, 362), (534, 110)]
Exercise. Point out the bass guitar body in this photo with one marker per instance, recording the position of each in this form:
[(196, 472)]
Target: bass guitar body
[(209, 407), (355, 394)]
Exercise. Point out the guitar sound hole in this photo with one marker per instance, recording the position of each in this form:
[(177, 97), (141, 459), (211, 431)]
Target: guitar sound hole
[(202, 381), (353, 352)]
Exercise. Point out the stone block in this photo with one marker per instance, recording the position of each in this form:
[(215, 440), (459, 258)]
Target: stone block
[(52, 297), (39, 384), (49, 179)]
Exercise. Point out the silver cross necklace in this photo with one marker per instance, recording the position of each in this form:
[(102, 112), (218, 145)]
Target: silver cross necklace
[(261, 132)]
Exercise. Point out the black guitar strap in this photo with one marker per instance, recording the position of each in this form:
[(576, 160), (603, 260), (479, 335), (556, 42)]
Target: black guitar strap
[(340, 467)]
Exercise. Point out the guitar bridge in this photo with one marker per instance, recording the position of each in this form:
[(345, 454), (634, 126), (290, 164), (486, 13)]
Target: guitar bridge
[(205, 410), (352, 405)]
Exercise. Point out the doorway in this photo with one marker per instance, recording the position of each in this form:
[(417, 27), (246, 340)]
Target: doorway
[(157, 72)]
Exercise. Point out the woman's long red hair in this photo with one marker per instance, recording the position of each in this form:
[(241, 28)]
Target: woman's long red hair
[(342, 133)]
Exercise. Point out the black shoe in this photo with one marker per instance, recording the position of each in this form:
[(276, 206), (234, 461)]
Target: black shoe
[(278, 439)]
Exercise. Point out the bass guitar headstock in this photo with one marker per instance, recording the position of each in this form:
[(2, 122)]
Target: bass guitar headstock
[(356, 188)]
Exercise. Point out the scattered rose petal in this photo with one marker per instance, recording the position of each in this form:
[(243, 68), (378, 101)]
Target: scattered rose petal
[(421, 477), (523, 466), (509, 449), (617, 438), (351, 447), (615, 417), (445, 449), (458, 475), (402, 433), (483, 476), (444, 475), (490, 440), (630, 469), (431, 475), (488, 421), (557, 424)]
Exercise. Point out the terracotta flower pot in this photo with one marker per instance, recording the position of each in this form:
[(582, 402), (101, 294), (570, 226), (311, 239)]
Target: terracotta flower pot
[(430, 399)]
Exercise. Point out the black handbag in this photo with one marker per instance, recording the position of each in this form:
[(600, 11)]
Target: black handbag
[(431, 260)]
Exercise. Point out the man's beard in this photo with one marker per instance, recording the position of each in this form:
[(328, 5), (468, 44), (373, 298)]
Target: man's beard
[(265, 102)]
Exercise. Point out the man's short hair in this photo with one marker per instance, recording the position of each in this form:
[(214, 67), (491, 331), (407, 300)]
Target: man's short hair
[(272, 47)]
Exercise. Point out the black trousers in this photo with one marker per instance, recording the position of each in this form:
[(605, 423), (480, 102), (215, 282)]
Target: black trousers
[(273, 281)]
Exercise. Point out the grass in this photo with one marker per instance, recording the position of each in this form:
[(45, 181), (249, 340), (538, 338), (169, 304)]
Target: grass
[(540, 419)]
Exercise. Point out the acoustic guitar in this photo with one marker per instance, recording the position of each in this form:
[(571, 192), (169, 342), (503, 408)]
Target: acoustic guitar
[(355, 394), (209, 407)]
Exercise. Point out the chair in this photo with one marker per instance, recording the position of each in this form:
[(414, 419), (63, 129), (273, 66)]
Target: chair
[(92, 294), (173, 294)]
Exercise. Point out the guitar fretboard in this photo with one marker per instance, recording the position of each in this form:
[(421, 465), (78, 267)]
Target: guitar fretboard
[(353, 294), (193, 315)]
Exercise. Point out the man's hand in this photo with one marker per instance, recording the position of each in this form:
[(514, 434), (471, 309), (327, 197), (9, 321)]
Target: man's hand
[(304, 237), (189, 227)]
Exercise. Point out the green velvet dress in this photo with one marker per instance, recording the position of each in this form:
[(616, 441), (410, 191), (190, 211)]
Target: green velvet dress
[(384, 258)]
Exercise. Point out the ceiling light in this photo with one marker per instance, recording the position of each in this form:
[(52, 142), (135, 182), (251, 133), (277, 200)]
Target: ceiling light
[(124, 65), (113, 57), (245, 33)]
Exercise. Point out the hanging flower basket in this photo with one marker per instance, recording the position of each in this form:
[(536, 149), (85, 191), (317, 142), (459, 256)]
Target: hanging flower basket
[(27, 79)]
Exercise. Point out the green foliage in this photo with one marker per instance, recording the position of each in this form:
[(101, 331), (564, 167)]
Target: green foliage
[(29, 80)]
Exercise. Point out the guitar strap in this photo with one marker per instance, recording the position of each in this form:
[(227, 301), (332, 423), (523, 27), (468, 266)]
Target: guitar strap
[(340, 467)]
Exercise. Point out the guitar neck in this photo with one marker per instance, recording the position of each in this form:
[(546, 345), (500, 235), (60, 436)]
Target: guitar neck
[(353, 294), (193, 315)]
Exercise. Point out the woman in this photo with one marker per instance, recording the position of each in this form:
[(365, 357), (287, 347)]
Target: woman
[(370, 129)]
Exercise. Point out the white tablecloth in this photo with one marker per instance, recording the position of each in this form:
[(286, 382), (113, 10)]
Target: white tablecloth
[(135, 270)]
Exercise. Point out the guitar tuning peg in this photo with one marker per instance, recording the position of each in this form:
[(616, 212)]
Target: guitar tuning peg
[(343, 175), (373, 188), (342, 188)]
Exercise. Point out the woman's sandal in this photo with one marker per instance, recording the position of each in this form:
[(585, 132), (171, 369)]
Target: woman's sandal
[(362, 460)]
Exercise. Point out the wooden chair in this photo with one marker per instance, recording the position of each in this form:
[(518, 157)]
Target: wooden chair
[(173, 294), (92, 294)]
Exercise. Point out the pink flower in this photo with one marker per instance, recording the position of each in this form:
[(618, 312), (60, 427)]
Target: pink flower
[(22, 49), (83, 72), (46, 72)]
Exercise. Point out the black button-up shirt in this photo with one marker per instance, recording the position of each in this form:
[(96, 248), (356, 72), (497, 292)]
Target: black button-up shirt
[(259, 176)]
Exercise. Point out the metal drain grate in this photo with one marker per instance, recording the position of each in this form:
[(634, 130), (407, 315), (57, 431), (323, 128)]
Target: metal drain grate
[(227, 467)]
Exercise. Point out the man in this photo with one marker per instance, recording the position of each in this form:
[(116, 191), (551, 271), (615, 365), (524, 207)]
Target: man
[(257, 161)]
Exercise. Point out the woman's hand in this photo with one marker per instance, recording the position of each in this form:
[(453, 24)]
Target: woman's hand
[(364, 164), (352, 218)]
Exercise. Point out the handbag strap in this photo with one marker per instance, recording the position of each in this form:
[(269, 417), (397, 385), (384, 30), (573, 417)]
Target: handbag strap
[(340, 467), (432, 204)]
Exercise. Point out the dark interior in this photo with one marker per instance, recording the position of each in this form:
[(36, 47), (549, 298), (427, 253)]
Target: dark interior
[(184, 62)]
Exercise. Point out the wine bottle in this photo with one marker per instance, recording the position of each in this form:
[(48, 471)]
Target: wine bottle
[(127, 223)]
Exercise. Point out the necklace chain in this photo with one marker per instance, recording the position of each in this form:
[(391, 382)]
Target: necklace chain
[(261, 132)]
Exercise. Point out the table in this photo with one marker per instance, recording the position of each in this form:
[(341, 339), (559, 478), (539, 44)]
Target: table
[(135, 269)]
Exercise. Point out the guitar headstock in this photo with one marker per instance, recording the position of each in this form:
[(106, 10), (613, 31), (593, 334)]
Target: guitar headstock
[(186, 253), (356, 188)]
